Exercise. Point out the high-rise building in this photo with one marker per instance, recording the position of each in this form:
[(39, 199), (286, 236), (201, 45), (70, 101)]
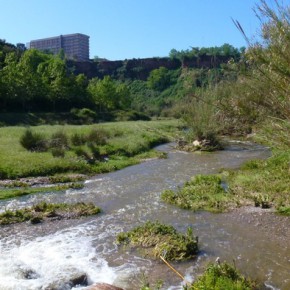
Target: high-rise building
[(75, 46)]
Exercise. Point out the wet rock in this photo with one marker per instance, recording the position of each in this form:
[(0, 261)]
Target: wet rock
[(79, 280), (30, 274), (76, 280), (102, 286)]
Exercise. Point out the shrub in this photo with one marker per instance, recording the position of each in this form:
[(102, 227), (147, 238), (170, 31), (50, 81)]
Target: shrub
[(85, 115), (33, 141), (98, 136), (59, 140)]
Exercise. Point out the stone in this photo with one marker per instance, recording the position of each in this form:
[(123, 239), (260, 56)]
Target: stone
[(102, 286)]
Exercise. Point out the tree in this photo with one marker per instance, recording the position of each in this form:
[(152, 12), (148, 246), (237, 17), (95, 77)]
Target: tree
[(159, 79), (108, 94)]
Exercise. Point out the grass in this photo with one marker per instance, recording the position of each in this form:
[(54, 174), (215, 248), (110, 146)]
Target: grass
[(265, 183), (222, 276), (261, 183), (125, 145), (156, 239), (202, 192), (43, 210)]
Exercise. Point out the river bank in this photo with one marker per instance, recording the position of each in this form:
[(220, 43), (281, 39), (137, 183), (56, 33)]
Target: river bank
[(276, 227)]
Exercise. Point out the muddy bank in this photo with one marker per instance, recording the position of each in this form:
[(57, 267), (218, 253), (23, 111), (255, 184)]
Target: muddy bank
[(275, 227)]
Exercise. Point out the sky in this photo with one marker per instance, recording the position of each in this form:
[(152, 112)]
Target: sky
[(125, 29)]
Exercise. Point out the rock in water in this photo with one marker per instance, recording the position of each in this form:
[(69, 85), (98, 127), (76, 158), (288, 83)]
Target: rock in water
[(102, 286)]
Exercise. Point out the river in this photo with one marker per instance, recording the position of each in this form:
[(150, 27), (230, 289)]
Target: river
[(51, 254)]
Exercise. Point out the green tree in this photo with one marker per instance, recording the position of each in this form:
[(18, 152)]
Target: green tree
[(108, 94), (159, 79), (54, 76)]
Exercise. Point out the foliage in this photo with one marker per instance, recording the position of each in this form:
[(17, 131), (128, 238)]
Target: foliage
[(85, 115), (224, 50), (222, 276), (34, 80), (202, 192), (108, 94), (159, 79), (161, 240), (33, 141), (268, 80), (264, 182), (43, 210)]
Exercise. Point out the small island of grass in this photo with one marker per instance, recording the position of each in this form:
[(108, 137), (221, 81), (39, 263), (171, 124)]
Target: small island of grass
[(156, 239), (202, 192), (43, 211)]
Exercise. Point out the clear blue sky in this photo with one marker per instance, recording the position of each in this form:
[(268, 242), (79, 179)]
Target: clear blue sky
[(121, 29)]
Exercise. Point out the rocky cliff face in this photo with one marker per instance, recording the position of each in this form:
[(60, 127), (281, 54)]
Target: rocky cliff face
[(141, 68)]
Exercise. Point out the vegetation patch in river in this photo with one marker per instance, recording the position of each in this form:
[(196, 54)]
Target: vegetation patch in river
[(156, 239), (222, 276), (11, 192), (202, 192), (44, 210)]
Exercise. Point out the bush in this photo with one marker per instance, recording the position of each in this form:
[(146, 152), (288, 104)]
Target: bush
[(85, 115), (33, 141), (98, 136), (59, 140)]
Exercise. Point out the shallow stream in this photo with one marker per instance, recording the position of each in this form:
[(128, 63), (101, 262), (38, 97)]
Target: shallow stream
[(50, 255)]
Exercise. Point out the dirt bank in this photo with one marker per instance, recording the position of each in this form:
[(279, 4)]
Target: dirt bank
[(275, 226)]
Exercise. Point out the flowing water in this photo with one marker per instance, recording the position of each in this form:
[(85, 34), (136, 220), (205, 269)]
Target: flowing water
[(50, 255)]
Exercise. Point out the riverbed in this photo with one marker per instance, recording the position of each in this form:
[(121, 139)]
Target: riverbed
[(51, 254)]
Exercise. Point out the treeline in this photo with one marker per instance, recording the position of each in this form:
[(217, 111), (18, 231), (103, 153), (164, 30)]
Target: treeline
[(34, 81), (216, 51)]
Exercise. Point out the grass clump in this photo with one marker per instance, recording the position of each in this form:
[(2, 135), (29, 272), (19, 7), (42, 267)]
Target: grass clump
[(202, 192), (43, 210), (222, 276), (33, 141), (156, 239)]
